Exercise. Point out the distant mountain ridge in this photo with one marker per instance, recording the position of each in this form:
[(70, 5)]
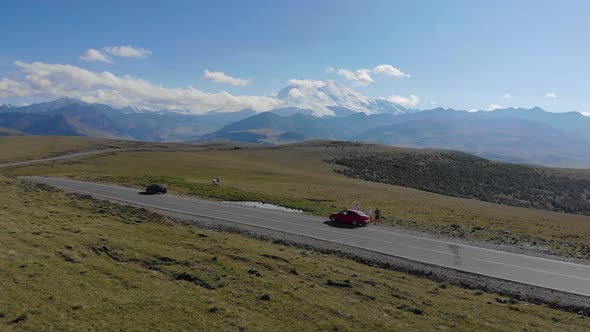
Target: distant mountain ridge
[(38, 124), (10, 132), (72, 117), (507, 135), (512, 134)]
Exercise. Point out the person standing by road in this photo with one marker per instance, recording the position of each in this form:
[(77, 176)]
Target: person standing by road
[(369, 214), (377, 216), (357, 207)]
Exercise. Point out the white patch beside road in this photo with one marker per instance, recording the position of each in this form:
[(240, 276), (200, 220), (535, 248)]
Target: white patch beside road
[(264, 206)]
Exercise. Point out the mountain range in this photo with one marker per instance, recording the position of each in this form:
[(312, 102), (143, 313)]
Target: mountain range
[(72, 117), (321, 98), (326, 111)]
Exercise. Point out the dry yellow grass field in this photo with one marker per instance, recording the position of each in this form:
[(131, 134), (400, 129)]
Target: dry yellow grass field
[(299, 177), (35, 147)]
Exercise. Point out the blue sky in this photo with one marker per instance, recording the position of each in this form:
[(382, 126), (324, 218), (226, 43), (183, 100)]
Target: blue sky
[(459, 54)]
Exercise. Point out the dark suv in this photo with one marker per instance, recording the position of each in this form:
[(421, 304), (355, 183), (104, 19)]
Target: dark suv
[(156, 188)]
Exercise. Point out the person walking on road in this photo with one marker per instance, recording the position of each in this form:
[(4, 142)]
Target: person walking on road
[(377, 216)]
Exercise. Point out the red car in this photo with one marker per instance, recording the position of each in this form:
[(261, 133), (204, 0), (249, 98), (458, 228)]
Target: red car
[(352, 217)]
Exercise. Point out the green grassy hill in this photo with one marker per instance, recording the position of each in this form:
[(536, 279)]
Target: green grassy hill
[(14, 148), (72, 264), (463, 175), (298, 176)]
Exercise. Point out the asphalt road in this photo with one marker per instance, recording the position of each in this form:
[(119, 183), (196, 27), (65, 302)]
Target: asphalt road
[(541, 272)]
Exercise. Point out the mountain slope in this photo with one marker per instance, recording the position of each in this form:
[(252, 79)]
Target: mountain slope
[(47, 106), (504, 137), (514, 134), (572, 122), (10, 132), (308, 126), (507, 135), (172, 126), (72, 117), (38, 124), (89, 120)]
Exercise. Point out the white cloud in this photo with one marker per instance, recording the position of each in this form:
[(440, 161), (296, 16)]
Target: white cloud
[(307, 84), (551, 95), (295, 93), (10, 88), (585, 113), (359, 76), (389, 70), (127, 51), (330, 70), (507, 96), (472, 110), (220, 77), (363, 76), (58, 80), (433, 102), (410, 101), (494, 107), (96, 55)]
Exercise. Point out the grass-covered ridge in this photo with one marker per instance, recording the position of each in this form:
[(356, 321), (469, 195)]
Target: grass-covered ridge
[(14, 148), (297, 176), (71, 264), (467, 176)]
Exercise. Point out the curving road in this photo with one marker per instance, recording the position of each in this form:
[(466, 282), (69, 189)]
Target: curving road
[(541, 272)]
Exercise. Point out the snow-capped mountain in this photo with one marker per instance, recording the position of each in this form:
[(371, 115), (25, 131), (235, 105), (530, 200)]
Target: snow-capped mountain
[(7, 106), (325, 98)]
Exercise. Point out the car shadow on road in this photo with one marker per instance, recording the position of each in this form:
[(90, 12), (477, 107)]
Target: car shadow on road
[(338, 225), (146, 193)]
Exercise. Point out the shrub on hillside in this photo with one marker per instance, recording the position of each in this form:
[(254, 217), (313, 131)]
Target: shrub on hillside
[(467, 176)]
